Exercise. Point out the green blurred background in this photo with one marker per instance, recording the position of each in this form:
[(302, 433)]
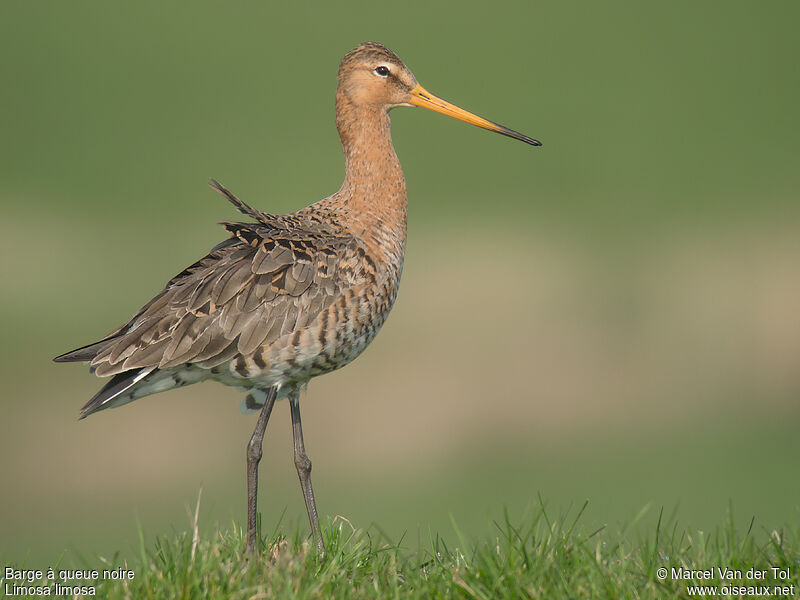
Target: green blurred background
[(612, 317)]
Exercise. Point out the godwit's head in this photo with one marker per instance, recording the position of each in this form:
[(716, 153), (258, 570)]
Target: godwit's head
[(373, 76)]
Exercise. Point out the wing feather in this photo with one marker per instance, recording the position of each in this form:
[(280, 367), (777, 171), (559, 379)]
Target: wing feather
[(270, 258), (263, 283), (232, 283)]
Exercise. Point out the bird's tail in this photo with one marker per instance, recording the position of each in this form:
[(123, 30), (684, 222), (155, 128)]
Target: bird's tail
[(85, 353), (136, 383), (118, 391)]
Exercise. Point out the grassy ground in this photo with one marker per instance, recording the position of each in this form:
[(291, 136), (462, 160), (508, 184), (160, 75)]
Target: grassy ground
[(543, 556)]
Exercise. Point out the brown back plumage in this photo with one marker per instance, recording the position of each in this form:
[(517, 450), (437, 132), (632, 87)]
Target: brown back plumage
[(264, 282)]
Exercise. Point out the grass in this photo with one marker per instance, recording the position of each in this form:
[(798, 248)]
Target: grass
[(541, 557)]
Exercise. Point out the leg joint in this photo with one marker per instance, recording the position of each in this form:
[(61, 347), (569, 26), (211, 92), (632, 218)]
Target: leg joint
[(253, 450), (302, 462)]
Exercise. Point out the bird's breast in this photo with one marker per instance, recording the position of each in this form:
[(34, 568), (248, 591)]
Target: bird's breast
[(348, 325), (338, 335)]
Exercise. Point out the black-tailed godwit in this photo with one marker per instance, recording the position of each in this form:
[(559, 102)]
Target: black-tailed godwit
[(288, 297)]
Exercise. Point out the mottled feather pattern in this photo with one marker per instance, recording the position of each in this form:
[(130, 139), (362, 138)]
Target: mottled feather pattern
[(240, 295), (231, 315)]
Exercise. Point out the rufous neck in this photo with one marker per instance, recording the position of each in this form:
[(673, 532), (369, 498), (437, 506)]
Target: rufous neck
[(371, 164), (373, 195)]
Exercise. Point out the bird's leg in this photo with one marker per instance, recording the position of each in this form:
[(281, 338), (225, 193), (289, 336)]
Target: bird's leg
[(303, 464), (253, 458)]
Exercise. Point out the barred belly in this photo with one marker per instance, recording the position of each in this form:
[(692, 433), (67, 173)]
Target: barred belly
[(338, 335)]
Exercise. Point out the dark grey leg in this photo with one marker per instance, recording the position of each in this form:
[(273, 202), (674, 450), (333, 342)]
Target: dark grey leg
[(303, 464), (253, 458)]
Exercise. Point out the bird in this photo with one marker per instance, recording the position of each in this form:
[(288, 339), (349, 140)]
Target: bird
[(285, 297)]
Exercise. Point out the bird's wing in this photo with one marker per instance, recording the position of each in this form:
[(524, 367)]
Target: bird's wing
[(250, 290)]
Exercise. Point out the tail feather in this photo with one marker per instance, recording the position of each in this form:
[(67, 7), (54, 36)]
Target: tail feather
[(112, 390), (84, 353)]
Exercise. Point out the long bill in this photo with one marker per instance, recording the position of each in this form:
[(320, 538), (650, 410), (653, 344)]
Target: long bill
[(422, 97)]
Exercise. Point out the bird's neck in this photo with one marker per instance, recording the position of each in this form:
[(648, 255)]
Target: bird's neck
[(373, 195)]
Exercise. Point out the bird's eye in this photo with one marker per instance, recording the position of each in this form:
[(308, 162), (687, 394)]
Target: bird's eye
[(382, 71)]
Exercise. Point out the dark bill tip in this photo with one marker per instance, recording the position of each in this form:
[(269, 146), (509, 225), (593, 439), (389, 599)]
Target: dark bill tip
[(501, 129)]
